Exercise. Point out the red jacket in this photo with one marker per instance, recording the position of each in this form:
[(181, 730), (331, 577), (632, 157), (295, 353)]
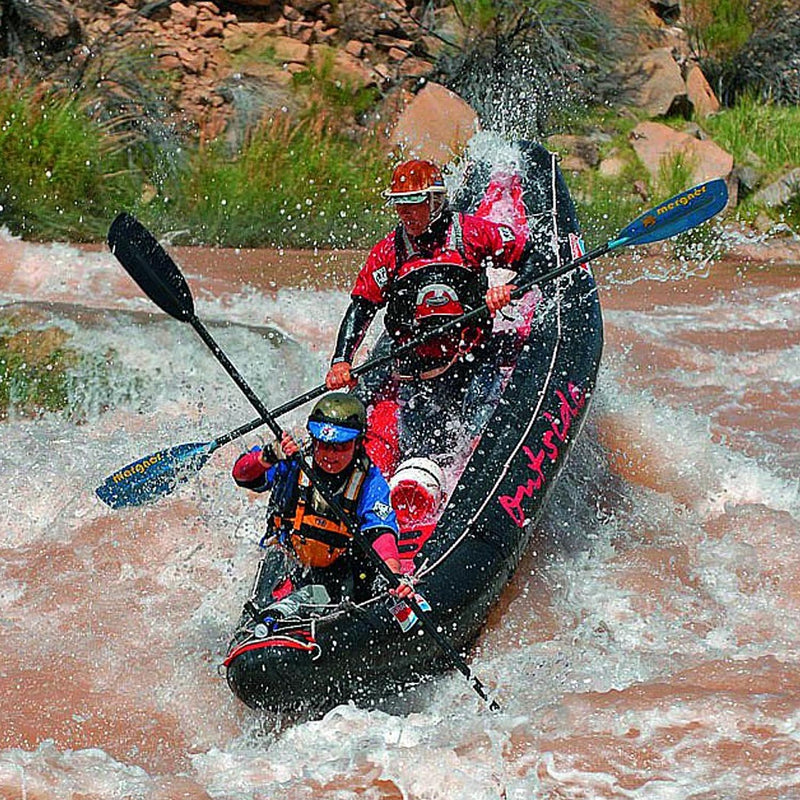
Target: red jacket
[(485, 244)]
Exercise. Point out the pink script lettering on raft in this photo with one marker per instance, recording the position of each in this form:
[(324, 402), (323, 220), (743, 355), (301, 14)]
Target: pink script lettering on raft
[(551, 438)]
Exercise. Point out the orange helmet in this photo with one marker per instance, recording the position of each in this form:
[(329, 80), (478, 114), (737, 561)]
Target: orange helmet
[(415, 181)]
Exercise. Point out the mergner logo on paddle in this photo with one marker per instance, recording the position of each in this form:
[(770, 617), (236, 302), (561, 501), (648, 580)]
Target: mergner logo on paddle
[(682, 200), (138, 468)]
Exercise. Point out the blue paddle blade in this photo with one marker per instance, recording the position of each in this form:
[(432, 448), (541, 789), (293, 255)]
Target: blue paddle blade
[(676, 215), (154, 476)]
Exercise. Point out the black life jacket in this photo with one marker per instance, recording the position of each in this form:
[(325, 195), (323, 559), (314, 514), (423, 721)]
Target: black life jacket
[(310, 528), (426, 293)]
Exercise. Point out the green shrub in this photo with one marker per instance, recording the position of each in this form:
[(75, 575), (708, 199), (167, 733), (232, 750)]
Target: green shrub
[(518, 64), (61, 175), (302, 182), (675, 174), (746, 46), (295, 184), (762, 134), (480, 16), (718, 28), (326, 91)]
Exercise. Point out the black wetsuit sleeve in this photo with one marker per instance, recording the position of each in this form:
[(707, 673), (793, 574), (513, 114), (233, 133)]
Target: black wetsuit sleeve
[(355, 323)]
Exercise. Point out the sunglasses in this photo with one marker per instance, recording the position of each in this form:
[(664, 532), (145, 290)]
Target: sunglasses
[(334, 447), (408, 199)]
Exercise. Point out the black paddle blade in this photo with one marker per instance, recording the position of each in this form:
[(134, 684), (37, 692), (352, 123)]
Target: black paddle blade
[(150, 266)]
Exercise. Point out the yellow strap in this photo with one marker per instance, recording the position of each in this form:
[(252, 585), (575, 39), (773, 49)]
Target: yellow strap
[(354, 484)]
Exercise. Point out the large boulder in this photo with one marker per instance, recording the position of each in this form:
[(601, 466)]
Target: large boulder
[(436, 124), (655, 144), (701, 96), (656, 84)]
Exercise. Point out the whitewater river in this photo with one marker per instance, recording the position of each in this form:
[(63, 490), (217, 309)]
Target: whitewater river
[(649, 648)]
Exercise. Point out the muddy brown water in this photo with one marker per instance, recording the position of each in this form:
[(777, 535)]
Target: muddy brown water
[(648, 646)]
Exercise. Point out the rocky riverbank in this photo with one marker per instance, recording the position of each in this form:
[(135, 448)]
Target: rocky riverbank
[(223, 66)]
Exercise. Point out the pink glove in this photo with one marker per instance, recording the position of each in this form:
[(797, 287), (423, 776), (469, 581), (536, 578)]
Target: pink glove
[(288, 445)]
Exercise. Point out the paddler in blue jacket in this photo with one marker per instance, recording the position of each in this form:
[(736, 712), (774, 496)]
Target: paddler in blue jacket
[(309, 545)]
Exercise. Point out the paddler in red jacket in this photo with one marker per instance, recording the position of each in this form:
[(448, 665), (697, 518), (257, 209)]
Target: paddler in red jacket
[(431, 269)]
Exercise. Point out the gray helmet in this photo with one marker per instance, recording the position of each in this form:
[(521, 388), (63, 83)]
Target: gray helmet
[(337, 417)]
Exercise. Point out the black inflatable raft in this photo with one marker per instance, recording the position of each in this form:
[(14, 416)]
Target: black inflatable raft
[(359, 652)]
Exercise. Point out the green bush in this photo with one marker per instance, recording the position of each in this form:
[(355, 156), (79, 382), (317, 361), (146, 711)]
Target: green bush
[(718, 28), (519, 63), (607, 204), (759, 133), (298, 182), (326, 91), (61, 175), (295, 184), (307, 181), (675, 174), (43, 371), (746, 46)]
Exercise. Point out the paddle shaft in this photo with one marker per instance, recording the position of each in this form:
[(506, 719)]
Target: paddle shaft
[(268, 417), (255, 401)]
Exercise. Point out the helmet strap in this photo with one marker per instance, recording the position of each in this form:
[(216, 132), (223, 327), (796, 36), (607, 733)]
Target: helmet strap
[(437, 205)]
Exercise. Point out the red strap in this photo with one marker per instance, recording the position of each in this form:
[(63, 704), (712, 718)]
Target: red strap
[(273, 641)]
